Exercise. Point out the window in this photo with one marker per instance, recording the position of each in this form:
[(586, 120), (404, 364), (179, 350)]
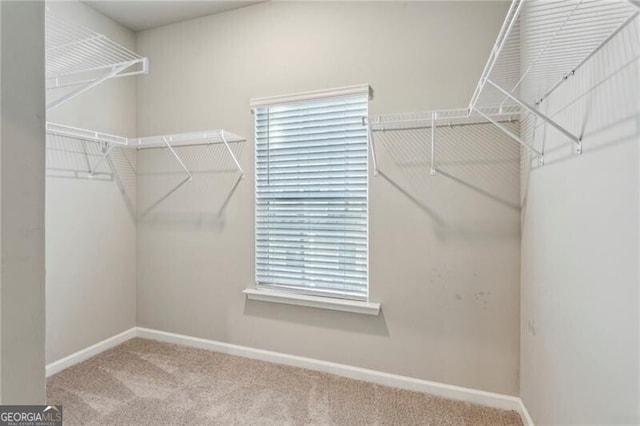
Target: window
[(311, 194)]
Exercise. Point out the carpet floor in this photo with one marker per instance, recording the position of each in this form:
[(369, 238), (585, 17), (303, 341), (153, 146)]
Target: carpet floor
[(143, 382)]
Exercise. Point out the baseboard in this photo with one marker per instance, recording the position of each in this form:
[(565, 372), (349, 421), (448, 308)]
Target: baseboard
[(524, 414), (87, 353), (490, 399)]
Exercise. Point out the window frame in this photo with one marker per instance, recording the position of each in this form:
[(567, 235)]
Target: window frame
[(293, 295)]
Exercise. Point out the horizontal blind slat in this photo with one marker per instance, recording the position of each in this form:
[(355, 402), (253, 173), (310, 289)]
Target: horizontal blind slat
[(319, 276), (313, 247), (317, 162), (314, 254), (352, 269), (266, 124)]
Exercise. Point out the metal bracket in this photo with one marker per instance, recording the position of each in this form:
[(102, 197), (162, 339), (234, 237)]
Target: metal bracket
[(105, 153), (235, 160), (113, 72), (532, 110), (72, 80), (372, 149), (511, 135), (166, 141)]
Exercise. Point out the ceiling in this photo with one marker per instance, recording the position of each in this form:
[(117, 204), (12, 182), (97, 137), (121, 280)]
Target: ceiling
[(145, 14)]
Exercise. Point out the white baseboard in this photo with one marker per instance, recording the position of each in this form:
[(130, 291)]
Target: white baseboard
[(524, 414), (490, 399), (87, 353), (459, 393)]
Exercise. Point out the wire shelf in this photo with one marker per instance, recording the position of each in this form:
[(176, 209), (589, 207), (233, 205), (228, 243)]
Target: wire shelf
[(441, 118), (432, 120), (84, 134), (82, 58), (560, 37), (207, 137), (186, 139)]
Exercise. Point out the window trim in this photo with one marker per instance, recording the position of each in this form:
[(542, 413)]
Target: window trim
[(301, 296), (357, 89), (294, 298)]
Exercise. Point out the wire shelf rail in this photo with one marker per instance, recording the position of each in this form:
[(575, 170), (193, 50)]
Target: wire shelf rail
[(190, 139), (433, 120), (561, 36), (80, 59), (169, 142)]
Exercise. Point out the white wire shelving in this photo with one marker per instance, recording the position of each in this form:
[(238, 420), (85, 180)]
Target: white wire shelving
[(169, 142), (559, 38), (79, 59), (84, 134), (433, 120), (108, 141), (207, 137)]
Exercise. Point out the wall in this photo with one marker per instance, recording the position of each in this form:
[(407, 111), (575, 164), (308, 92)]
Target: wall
[(22, 295), (580, 234), (444, 250), (91, 259)]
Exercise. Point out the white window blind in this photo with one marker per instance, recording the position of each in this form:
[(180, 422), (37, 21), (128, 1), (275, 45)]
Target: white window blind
[(311, 196)]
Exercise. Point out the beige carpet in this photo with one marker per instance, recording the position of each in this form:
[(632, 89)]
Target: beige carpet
[(143, 382)]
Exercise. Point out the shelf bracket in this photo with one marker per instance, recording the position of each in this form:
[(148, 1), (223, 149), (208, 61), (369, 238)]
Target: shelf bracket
[(372, 148), (103, 157), (175, 154), (235, 160), (114, 71), (576, 140), (511, 135), (64, 81)]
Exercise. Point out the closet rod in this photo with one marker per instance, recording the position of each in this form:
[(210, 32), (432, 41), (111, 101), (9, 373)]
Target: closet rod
[(449, 125)]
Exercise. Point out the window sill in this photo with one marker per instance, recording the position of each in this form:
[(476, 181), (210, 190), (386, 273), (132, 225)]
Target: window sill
[(353, 306)]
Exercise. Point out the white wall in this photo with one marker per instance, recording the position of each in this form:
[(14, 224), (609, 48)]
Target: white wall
[(91, 237), (580, 236), (444, 250), (22, 310)]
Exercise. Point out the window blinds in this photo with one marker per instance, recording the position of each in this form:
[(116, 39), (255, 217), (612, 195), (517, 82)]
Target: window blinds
[(311, 196)]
